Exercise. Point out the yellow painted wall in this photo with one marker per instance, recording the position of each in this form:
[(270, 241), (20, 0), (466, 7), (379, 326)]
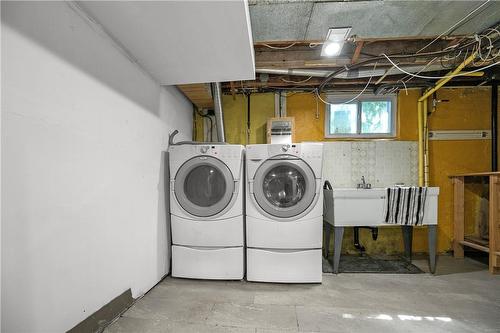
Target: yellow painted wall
[(235, 117), (468, 108)]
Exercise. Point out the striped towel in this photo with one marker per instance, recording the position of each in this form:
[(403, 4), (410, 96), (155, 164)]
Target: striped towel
[(405, 205)]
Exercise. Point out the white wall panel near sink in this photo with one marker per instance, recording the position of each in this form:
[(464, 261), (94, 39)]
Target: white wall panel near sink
[(383, 163)]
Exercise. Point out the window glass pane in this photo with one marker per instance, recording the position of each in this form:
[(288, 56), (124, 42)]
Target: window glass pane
[(375, 117), (343, 118)]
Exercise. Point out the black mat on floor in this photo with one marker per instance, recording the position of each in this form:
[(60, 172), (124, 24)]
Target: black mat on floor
[(368, 264)]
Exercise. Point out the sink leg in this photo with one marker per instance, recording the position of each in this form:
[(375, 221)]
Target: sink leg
[(339, 235), (432, 230), (328, 230), (407, 240)]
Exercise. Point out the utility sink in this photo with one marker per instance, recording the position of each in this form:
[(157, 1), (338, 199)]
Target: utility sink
[(360, 207), (366, 207), (353, 192)]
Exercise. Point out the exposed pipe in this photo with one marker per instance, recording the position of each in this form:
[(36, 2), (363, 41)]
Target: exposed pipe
[(219, 116), (248, 119), (423, 138), (420, 143), (179, 143), (425, 122), (355, 73), (494, 125), (293, 72), (449, 76)]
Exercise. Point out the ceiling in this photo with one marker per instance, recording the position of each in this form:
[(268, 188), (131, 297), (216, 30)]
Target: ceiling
[(181, 42), (309, 20)]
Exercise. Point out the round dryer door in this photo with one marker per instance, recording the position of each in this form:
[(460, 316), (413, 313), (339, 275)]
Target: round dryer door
[(284, 188), (204, 186)]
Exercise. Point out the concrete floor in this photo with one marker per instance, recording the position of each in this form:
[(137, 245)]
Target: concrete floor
[(461, 297)]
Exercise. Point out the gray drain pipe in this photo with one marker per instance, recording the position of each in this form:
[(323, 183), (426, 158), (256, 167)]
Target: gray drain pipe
[(219, 116)]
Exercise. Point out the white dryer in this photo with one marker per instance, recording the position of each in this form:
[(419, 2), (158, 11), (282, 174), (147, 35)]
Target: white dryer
[(206, 206), (284, 212)]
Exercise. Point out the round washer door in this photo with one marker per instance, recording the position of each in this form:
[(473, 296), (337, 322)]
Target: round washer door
[(204, 186), (284, 188)]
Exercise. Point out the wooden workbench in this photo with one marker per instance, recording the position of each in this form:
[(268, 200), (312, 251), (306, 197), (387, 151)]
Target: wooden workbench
[(493, 246)]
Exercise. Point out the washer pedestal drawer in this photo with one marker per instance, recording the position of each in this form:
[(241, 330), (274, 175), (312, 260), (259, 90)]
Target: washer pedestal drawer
[(207, 263), (285, 266)]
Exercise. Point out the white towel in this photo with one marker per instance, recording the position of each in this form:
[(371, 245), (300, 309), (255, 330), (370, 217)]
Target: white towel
[(405, 205)]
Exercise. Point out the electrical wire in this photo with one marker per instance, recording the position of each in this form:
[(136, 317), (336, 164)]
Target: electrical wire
[(279, 47), (459, 47), (439, 77), (453, 26), (313, 45), (378, 58), (490, 55), (355, 97), (406, 89), (408, 77), (211, 124), (296, 82)]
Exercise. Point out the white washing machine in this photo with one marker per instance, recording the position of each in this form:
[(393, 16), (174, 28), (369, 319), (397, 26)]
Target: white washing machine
[(206, 207), (284, 212)]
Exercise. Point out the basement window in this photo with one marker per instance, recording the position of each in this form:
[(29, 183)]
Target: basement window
[(368, 116)]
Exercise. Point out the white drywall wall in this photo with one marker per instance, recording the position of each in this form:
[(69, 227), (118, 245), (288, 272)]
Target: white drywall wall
[(84, 132)]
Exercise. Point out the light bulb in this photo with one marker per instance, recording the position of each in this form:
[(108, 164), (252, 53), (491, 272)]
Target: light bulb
[(332, 48)]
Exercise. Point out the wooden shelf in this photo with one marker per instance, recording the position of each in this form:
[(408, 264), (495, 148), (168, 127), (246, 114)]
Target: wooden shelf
[(475, 246), (459, 239), (477, 240), (475, 174)]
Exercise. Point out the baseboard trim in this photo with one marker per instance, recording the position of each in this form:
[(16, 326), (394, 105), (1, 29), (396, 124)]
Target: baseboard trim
[(102, 317)]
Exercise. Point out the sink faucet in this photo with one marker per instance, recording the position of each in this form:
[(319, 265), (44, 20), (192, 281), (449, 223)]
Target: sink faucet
[(364, 184)]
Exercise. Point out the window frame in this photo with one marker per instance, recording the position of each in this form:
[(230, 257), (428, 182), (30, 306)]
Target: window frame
[(342, 98)]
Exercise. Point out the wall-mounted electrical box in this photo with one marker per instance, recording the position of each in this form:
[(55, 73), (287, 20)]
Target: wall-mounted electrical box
[(281, 130)]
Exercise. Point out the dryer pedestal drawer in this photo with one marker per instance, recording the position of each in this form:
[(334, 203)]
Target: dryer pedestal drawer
[(207, 263), (285, 266), (216, 233)]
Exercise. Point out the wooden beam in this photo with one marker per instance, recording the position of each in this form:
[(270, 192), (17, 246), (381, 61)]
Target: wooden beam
[(494, 224), (285, 43), (406, 38), (199, 94), (475, 246), (303, 56), (357, 52)]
